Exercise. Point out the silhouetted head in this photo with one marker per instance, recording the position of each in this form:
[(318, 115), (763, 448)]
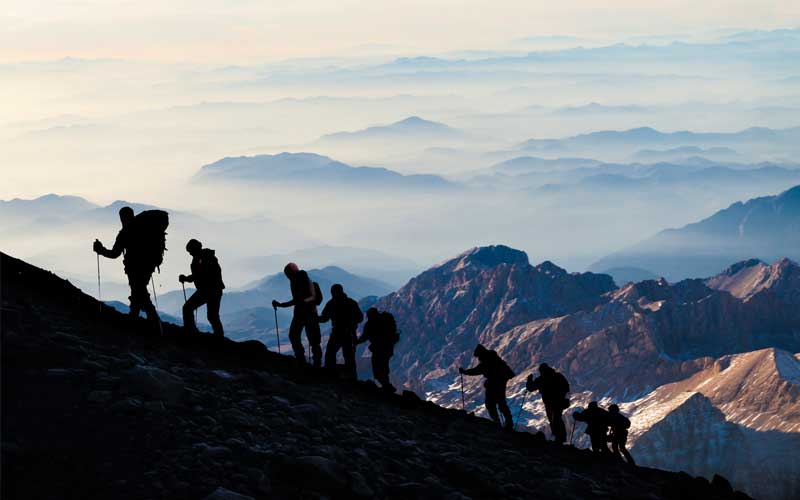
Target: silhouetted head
[(194, 247), (544, 368), (592, 405), (480, 351), (613, 409), (372, 313), (337, 290), (126, 215), (290, 270)]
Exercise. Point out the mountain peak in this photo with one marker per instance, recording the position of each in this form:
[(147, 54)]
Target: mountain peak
[(550, 269), (493, 255)]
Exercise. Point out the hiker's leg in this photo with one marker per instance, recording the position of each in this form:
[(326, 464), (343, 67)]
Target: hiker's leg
[(557, 424), (138, 291), (380, 369), (212, 312), (331, 349), (314, 338), (295, 331), (627, 454), (502, 404), (491, 403), (196, 300), (349, 353)]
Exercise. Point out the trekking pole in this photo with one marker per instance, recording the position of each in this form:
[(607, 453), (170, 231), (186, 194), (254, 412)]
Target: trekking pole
[(277, 332), (516, 420), (155, 296), (462, 392), (572, 432), (99, 292)]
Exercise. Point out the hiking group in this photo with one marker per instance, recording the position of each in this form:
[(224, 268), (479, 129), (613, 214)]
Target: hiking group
[(142, 242), (553, 388)]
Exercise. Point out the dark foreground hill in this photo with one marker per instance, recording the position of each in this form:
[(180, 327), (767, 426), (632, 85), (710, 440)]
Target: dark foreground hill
[(94, 408)]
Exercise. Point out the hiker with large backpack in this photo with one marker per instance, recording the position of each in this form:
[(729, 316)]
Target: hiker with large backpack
[(142, 240), (381, 332), (618, 437), (345, 315), (306, 296), (497, 374), (553, 387), (207, 278)]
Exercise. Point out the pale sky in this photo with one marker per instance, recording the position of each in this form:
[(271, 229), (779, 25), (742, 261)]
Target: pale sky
[(246, 31)]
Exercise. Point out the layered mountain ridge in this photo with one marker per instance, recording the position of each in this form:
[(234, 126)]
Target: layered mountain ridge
[(643, 340)]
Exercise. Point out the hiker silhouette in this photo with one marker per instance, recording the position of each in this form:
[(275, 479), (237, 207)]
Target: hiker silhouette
[(344, 315), (207, 278), (305, 299), (596, 420), (380, 331), (497, 374), (554, 389), (619, 424), (142, 241)]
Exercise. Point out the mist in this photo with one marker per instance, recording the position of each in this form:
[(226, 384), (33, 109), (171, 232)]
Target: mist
[(114, 129)]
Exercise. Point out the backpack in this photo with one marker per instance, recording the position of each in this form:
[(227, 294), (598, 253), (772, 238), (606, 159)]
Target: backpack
[(561, 384), (317, 294), (150, 228), (212, 271), (390, 327), (508, 373)]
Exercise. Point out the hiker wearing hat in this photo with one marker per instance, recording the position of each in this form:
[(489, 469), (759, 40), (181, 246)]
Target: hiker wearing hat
[(306, 296), (207, 278)]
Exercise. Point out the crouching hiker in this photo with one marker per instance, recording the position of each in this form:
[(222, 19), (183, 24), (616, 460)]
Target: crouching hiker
[(619, 424), (596, 420), (207, 278), (497, 374)]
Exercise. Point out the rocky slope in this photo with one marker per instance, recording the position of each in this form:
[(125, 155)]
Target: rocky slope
[(93, 407)]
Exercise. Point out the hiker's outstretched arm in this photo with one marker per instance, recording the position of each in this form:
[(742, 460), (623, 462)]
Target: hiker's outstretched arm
[(116, 250), (325, 316), (476, 370)]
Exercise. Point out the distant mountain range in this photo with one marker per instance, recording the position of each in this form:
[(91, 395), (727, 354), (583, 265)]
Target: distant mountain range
[(361, 261), (58, 231), (684, 153), (248, 315), (646, 137), (410, 128), (765, 228), (707, 368), (303, 170)]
